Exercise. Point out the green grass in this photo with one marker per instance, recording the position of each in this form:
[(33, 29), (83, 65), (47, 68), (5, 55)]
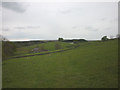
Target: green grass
[(88, 66), (64, 45), (50, 46)]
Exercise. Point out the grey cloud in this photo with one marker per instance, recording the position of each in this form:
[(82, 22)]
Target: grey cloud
[(66, 20), (103, 19), (114, 20), (88, 28), (110, 20), (5, 29), (65, 11), (71, 10), (74, 27), (91, 28), (109, 28), (18, 35), (33, 27), (14, 6), (28, 27), (20, 27), (22, 35)]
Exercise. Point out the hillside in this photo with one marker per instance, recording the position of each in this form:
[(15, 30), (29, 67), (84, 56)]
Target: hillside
[(93, 65), (49, 46)]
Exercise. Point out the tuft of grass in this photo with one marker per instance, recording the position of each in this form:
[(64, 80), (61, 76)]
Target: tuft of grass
[(92, 65)]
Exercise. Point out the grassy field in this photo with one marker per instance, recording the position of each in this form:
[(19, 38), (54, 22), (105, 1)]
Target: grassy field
[(50, 46), (93, 65)]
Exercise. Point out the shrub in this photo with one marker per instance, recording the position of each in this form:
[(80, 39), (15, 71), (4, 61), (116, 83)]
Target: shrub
[(8, 49), (42, 48), (57, 46), (60, 39), (104, 38)]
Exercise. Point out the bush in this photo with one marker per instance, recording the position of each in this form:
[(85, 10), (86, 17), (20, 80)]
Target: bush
[(60, 39), (57, 46), (42, 48), (104, 38), (8, 49)]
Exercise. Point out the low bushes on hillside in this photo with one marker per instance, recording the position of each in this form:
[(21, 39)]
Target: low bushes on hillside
[(8, 49), (57, 46)]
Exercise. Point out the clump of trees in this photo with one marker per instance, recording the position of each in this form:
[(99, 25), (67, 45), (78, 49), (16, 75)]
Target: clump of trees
[(60, 39), (104, 38), (8, 48)]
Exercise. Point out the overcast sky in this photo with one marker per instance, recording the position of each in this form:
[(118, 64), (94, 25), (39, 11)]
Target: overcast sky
[(46, 21)]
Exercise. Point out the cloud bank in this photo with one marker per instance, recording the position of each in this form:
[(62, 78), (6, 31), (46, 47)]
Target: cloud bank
[(47, 20), (14, 6)]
